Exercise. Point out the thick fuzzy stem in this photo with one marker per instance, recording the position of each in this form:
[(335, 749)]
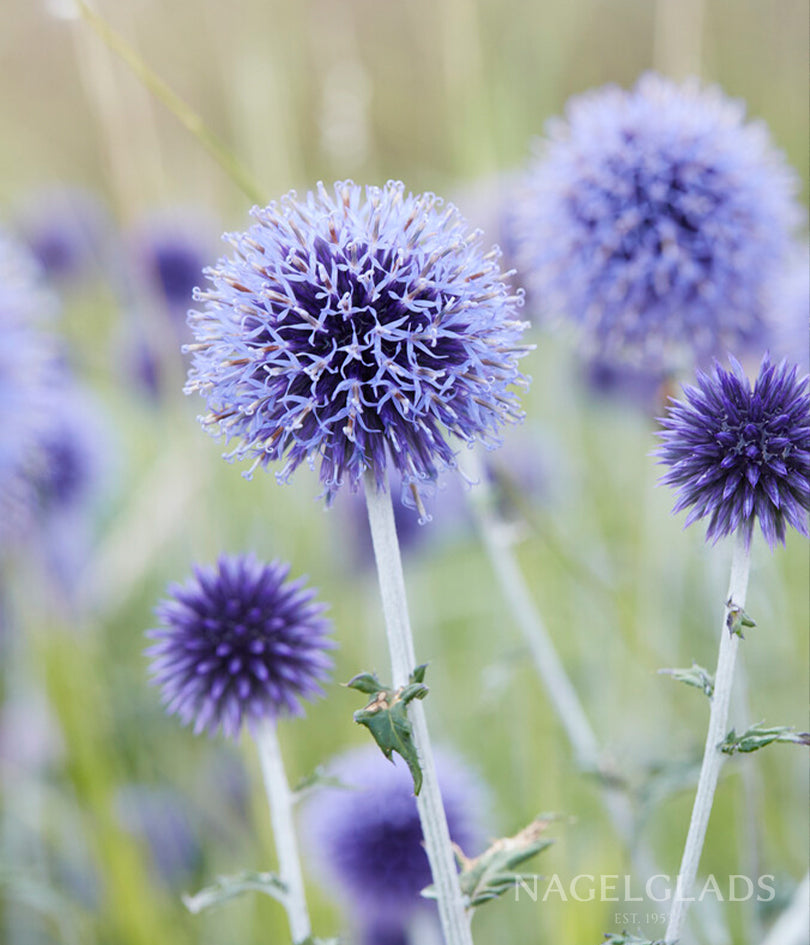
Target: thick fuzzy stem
[(279, 797), (452, 911), (713, 757)]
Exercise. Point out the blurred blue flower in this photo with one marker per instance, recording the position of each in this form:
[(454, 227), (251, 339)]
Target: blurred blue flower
[(169, 249), (160, 817), (27, 356), (738, 454), (68, 230), (655, 218), (239, 642), (366, 841), (354, 329)]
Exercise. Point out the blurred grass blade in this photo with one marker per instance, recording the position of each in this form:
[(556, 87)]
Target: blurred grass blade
[(183, 112)]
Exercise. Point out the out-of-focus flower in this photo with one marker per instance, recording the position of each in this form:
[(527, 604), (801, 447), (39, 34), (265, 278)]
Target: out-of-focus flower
[(740, 454), (68, 231), (367, 841), (239, 642), (357, 329), (160, 817), (656, 218), (26, 361), (169, 250)]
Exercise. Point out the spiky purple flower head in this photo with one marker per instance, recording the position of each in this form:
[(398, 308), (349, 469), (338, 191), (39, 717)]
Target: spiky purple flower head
[(356, 328), (655, 218), (239, 642), (367, 842), (739, 454)]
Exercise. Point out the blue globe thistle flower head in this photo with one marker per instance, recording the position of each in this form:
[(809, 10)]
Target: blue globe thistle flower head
[(239, 643), (738, 453), (366, 841), (655, 218), (27, 357), (355, 328)]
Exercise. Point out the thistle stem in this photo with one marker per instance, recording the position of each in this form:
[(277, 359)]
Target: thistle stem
[(280, 800), (718, 727), (452, 911)]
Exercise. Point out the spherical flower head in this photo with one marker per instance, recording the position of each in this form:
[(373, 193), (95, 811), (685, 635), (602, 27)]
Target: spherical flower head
[(356, 328), (739, 454), (367, 841), (26, 368), (655, 218), (239, 642)]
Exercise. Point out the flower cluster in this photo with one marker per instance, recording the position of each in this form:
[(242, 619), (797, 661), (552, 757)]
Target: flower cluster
[(367, 842), (655, 218), (356, 328), (738, 454), (239, 642)]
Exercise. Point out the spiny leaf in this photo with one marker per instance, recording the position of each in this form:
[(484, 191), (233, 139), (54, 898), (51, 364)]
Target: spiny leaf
[(696, 676), (229, 887), (386, 717), (491, 874), (758, 736)]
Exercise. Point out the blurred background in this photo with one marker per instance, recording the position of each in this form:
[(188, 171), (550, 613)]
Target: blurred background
[(111, 809)]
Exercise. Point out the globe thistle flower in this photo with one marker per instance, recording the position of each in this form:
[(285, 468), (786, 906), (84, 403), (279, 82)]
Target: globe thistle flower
[(655, 218), (739, 454), (239, 642), (26, 361), (367, 842), (354, 329)]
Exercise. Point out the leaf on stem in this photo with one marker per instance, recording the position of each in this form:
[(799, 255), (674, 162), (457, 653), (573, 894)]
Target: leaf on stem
[(318, 778), (625, 938), (695, 676), (229, 887), (758, 736), (490, 875), (386, 717), (737, 619)]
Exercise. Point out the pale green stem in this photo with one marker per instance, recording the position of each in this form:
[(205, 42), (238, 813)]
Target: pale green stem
[(718, 729), (452, 912), (182, 111), (280, 801)]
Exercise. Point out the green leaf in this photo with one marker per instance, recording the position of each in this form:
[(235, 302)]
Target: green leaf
[(696, 676), (229, 887), (737, 619), (758, 736), (491, 874), (386, 717)]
